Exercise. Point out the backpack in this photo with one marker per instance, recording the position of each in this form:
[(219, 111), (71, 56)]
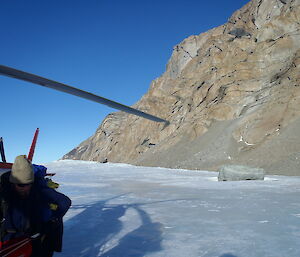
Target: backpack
[(40, 173)]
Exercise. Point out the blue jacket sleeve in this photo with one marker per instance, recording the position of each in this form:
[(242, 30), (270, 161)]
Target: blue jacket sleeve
[(62, 201)]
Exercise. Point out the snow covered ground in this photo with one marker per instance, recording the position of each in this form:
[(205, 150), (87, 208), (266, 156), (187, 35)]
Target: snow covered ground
[(121, 210)]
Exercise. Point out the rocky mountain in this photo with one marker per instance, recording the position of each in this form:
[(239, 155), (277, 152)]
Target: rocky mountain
[(232, 95)]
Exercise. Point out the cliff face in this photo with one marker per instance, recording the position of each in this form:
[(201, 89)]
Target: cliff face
[(232, 95)]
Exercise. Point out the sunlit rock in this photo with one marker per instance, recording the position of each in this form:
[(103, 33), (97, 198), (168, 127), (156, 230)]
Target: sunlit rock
[(233, 90)]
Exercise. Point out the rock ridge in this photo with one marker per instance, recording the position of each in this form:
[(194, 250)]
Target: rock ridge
[(229, 94)]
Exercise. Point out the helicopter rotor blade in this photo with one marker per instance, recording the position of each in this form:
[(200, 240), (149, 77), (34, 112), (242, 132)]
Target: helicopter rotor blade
[(18, 74)]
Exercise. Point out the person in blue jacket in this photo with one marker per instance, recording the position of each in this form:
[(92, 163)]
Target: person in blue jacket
[(25, 209)]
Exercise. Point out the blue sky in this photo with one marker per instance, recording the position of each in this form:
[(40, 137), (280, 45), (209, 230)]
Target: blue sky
[(112, 48)]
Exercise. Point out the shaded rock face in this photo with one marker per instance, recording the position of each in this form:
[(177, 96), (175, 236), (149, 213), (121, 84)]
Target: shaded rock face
[(232, 95)]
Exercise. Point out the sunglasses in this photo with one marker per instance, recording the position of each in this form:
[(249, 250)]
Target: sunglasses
[(24, 185)]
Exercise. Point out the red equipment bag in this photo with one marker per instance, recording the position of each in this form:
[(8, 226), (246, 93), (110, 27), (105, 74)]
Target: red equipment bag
[(20, 247)]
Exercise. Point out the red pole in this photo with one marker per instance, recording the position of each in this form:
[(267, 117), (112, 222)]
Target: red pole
[(32, 148)]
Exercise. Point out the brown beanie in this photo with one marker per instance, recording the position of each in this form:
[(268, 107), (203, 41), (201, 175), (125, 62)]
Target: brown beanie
[(22, 171)]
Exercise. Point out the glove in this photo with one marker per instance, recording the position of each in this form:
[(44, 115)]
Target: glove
[(52, 184), (53, 206)]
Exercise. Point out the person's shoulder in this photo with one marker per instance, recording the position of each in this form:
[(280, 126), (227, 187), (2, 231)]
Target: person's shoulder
[(56, 197), (50, 192)]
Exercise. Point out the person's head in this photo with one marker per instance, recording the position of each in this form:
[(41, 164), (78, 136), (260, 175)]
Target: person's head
[(22, 176)]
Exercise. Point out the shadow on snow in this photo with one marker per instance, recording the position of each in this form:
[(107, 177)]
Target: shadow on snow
[(93, 232), (94, 229)]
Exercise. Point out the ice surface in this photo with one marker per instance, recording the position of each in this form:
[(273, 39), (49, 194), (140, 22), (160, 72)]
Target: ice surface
[(121, 210)]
